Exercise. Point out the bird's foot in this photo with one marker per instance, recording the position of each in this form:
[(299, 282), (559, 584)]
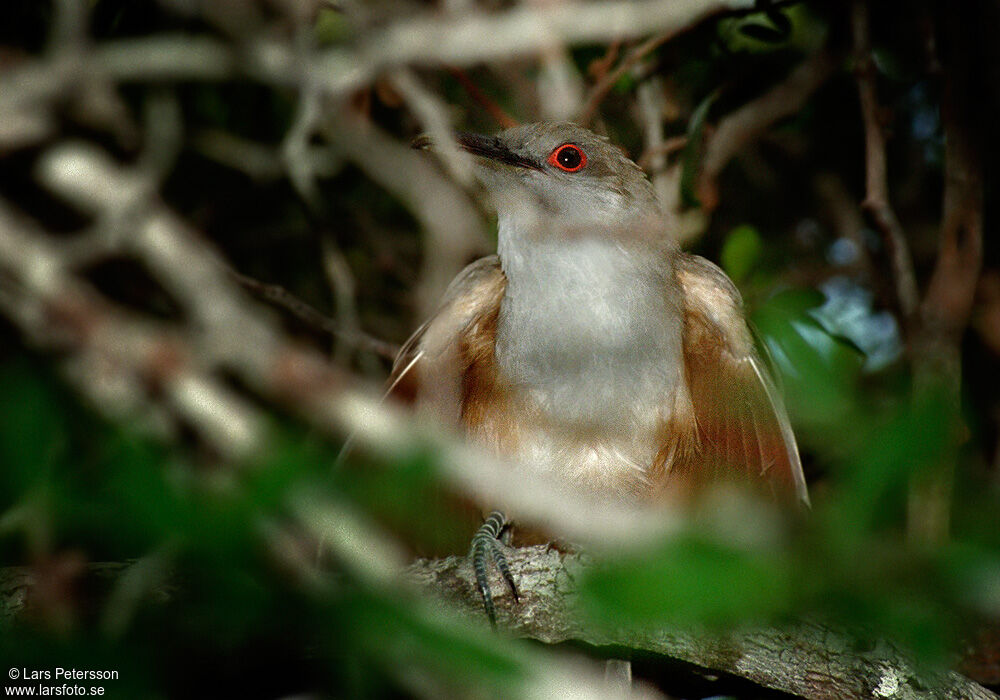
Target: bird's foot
[(486, 545)]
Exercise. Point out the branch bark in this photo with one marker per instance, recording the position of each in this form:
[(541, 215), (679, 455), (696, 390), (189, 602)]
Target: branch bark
[(947, 305), (806, 659)]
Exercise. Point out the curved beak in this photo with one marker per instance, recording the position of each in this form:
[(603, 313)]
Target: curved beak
[(489, 147)]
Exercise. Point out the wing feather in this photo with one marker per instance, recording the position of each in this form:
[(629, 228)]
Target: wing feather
[(744, 432), (429, 367)]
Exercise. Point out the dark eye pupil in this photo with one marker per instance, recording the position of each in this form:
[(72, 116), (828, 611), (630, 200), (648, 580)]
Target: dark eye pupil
[(569, 157)]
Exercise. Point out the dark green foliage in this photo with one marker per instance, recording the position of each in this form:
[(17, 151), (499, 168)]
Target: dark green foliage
[(233, 620)]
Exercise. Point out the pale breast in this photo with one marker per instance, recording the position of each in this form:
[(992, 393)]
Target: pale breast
[(588, 344)]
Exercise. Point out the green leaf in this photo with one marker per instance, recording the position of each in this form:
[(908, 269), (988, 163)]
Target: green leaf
[(691, 157), (770, 30), (741, 252), (688, 581), (820, 370)]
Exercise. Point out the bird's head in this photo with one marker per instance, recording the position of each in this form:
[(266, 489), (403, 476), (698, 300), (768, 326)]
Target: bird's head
[(559, 170)]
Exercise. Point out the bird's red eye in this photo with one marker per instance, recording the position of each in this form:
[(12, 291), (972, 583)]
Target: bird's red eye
[(568, 157)]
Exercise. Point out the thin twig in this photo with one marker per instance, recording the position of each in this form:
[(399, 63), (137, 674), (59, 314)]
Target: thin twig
[(748, 122), (649, 109), (876, 202), (295, 146), (278, 295), (841, 208), (670, 145), (454, 227), (491, 106), (344, 288), (649, 112), (559, 84), (599, 67), (432, 113), (603, 86)]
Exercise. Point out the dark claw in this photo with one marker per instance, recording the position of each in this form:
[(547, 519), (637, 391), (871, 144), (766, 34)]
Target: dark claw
[(479, 553), (501, 559), (486, 545)]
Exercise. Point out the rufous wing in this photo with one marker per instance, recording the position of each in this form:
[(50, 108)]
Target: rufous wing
[(431, 367), (430, 372), (743, 432)]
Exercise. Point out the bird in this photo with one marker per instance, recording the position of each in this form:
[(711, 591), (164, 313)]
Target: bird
[(590, 346)]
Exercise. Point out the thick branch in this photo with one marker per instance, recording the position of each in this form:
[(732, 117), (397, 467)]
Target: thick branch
[(947, 304), (807, 659)]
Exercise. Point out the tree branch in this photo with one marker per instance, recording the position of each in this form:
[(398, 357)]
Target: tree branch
[(748, 122), (666, 148), (491, 106), (947, 304), (876, 203), (278, 295), (607, 81), (806, 659)]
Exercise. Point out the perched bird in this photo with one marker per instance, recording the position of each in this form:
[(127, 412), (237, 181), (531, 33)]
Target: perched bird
[(590, 346)]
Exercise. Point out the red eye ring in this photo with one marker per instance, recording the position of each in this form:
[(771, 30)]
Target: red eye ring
[(568, 157)]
